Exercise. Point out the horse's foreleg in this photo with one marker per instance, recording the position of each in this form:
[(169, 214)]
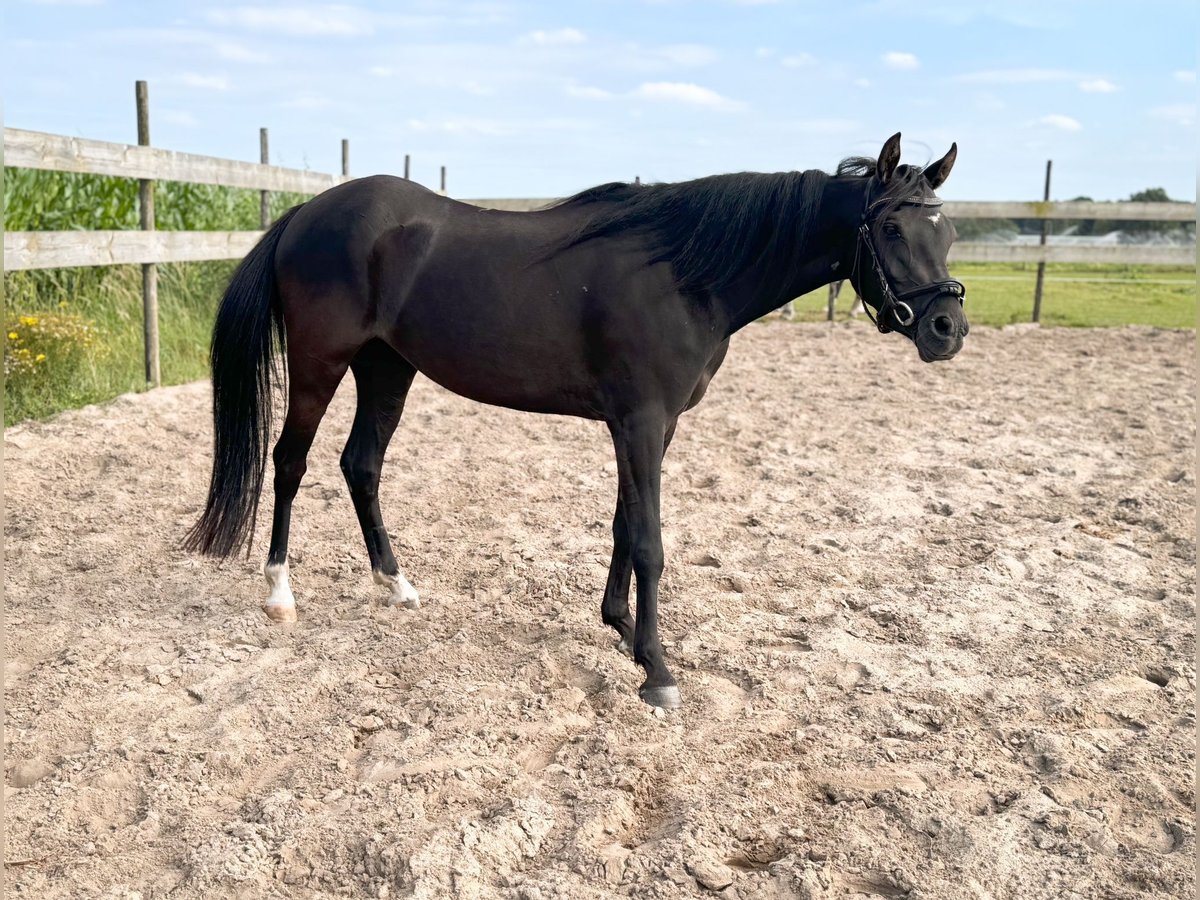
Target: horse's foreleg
[(383, 378), (614, 609), (639, 441), (311, 387)]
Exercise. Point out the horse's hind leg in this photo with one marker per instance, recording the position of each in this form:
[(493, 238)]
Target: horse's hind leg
[(614, 608), (311, 385), (383, 378), (639, 441)]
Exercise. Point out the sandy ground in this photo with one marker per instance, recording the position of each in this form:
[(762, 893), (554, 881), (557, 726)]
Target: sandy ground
[(933, 626)]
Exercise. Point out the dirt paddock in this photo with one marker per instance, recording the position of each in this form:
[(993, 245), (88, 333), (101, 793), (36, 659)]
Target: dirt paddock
[(933, 626)]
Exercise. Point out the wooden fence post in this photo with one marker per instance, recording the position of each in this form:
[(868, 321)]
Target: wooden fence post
[(406, 160), (1041, 270), (345, 157), (264, 203), (443, 180), (149, 270)]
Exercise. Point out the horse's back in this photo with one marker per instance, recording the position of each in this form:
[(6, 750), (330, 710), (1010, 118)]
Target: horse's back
[(474, 299)]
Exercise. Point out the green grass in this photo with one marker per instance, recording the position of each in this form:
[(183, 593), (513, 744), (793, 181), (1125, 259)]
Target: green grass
[(111, 299), (1075, 294)]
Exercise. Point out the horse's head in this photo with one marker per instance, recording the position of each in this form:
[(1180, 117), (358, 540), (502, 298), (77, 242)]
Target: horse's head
[(900, 257)]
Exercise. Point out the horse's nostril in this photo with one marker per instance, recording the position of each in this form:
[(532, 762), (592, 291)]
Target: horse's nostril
[(943, 326)]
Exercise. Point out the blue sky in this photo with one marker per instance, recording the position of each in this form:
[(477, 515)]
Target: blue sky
[(542, 99)]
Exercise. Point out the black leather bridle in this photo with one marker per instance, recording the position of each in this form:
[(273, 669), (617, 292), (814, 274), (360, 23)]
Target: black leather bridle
[(895, 303)]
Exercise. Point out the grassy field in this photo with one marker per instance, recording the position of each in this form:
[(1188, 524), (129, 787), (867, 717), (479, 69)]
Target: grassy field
[(47, 312), (1074, 295)]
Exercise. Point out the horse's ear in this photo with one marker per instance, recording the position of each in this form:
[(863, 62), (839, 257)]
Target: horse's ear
[(936, 173), (889, 158)]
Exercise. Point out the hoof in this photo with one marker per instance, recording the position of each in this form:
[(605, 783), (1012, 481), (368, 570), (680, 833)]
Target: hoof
[(400, 592), (623, 646), (665, 697), (413, 602), (280, 614)]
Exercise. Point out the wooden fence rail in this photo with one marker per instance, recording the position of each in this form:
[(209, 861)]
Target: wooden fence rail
[(983, 209), (61, 249), (57, 153)]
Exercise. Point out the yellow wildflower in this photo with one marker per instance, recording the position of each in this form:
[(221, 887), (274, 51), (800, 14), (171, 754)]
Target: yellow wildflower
[(12, 335), (40, 357), (28, 321)]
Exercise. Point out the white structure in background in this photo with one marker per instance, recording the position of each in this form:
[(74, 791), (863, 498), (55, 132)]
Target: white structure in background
[(788, 310)]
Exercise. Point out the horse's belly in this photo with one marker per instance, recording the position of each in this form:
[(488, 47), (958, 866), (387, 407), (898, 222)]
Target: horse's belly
[(500, 363)]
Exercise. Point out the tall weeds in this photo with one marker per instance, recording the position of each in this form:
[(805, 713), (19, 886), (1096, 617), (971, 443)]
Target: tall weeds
[(88, 331)]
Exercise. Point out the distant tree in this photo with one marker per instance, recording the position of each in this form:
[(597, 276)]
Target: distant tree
[(985, 229), (1085, 226), (1149, 195)]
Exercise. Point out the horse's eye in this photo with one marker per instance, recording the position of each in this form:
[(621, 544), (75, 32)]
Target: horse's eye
[(891, 229)]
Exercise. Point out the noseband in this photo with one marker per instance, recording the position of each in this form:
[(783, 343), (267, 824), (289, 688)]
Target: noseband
[(895, 303)]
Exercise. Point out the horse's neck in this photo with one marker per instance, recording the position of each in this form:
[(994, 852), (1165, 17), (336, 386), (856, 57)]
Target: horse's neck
[(826, 257)]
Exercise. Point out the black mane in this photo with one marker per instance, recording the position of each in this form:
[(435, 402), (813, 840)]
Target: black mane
[(712, 229)]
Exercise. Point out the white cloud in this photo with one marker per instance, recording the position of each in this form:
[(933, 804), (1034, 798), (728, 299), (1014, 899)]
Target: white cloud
[(1032, 14), (205, 82), (687, 54), (904, 62), (1090, 84), (206, 41), (764, 52), (1186, 76), (1059, 121), (1183, 114), (985, 102), (1016, 76), (556, 38), (297, 21), (686, 93), (479, 89), (798, 60), (235, 52), (584, 92), (486, 127)]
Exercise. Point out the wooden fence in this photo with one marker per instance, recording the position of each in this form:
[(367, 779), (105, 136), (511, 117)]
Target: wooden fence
[(59, 249)]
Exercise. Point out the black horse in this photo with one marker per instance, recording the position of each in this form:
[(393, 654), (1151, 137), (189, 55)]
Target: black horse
[(616, 304)]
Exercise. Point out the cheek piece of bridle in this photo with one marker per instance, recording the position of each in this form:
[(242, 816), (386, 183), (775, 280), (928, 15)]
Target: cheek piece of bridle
[(895, 303)]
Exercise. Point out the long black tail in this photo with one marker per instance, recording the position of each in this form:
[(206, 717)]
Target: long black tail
[(249, 324)]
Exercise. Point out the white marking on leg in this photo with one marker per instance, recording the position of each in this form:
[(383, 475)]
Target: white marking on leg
[(281, 603), (400, 592)]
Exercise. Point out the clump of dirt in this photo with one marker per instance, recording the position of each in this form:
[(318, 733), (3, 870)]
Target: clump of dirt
[(933, 626)]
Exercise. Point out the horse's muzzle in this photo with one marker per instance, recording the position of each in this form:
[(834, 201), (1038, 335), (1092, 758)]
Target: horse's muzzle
[(941, 329)]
